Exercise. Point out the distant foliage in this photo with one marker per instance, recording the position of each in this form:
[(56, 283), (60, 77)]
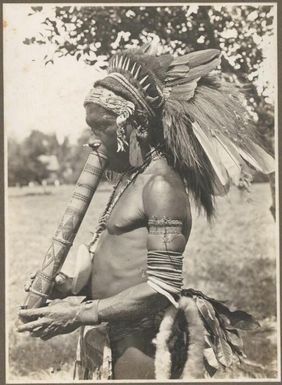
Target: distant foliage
[(25, 162), (92, 34)]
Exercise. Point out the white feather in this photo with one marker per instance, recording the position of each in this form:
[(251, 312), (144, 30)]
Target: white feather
[(262, 162), (209, 148), (229, 158)]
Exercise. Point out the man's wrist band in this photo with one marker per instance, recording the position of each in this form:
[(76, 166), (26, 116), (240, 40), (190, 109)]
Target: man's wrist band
[(87, 313)]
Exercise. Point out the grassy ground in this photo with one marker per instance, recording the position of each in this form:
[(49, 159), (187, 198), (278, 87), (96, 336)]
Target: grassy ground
[(232, 259)]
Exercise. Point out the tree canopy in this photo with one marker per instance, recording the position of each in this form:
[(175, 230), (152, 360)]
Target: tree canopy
[(90, 32), (93, 33)]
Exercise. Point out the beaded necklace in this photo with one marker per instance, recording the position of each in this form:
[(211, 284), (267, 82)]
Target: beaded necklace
[(114, 198)]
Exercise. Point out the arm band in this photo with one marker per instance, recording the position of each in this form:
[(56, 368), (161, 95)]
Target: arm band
[(164, 271)]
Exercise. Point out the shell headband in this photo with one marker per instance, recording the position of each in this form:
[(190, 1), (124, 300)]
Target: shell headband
[(112, 102)]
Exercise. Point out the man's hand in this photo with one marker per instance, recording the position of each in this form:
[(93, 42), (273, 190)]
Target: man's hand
[(59, 317), (62, 285)]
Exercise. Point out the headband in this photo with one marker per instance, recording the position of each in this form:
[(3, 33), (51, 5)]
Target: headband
[(109, 100), (115, 103)]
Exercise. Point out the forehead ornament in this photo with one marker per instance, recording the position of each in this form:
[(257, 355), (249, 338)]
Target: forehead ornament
[(114, 103)]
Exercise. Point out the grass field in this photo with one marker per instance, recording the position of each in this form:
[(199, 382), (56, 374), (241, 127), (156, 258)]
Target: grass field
[(231, 259)]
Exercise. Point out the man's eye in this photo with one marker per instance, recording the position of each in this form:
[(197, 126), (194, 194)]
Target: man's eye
[(106, 119), (100, 122), (105, 123)]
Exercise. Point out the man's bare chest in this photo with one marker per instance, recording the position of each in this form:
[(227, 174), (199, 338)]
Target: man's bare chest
[(128, 212)]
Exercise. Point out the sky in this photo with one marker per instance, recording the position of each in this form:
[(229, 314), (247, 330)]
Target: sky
[(47, 98), (50, 98)]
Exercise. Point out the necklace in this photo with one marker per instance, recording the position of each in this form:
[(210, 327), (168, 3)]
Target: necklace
[(114, 198)]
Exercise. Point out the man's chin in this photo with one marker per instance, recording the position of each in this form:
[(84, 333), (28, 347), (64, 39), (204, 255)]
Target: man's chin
[(118, 168), (119, 162)]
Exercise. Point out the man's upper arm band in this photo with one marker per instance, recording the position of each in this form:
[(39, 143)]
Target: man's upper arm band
[(164, 267), (164, 226)]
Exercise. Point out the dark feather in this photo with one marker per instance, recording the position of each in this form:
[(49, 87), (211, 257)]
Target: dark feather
[(223, 343), (221, 347), (208, 316), (243, 320), (178, 75), (197, 58), (180, 70), (214, 104), (184, 92), (224, 351), (176, 82), (202, 70), (187, 155), (211, 370), (181, 60), (205, 161), (211, 359), (203, 57), (237, 319), (164, 60), (218, 109), (235, 340)]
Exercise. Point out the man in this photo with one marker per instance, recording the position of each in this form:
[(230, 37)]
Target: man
[(174, 131)]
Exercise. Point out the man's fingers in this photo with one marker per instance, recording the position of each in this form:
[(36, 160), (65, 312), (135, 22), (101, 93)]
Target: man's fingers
[(46, 333), (46, 337), (33, 325), (37, 332), (49, 333), (31, 313), (60, 279)]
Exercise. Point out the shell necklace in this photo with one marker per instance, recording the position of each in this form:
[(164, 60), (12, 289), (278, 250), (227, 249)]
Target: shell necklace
[(114, 198)]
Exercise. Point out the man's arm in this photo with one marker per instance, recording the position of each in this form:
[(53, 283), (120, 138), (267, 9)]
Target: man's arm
[(165, 206), (132, 303), (163, 202)]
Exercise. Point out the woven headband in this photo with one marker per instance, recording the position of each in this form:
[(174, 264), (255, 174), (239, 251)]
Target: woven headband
[(114, 103), (110, 101)]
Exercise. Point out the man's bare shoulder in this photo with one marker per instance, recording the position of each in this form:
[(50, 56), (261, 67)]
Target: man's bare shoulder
[(164, 194)]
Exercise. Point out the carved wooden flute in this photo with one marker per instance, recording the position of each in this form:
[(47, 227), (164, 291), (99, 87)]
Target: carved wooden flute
[(85, 188)]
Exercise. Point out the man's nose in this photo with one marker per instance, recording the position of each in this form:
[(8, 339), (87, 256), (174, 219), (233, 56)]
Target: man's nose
[(92, 139)]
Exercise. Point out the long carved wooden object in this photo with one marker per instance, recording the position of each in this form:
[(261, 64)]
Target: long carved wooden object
[(84, 190)]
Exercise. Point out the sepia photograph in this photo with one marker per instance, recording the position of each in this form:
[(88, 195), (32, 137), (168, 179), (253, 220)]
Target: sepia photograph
[(141, 192)]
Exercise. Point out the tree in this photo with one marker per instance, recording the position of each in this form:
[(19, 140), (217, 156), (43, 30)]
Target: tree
[(79, 155), (26, 159), (18, 173), (24, 164), (93, 33)]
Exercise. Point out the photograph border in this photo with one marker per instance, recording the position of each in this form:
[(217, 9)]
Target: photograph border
[(3, 191)]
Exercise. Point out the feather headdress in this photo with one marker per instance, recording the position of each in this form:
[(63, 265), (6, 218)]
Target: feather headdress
[(199, 118)]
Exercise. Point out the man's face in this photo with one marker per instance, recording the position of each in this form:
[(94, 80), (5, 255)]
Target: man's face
[(103, 126)]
